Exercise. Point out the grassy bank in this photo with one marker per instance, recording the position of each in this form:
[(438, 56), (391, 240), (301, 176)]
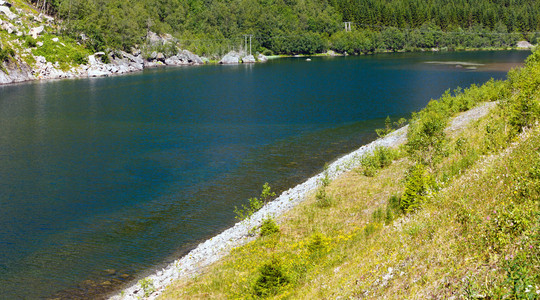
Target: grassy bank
[(456, 213)]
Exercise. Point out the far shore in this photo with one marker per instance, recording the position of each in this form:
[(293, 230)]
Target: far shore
[(330, 53)]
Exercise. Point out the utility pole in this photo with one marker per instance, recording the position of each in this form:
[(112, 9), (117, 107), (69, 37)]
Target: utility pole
[(245, 42)]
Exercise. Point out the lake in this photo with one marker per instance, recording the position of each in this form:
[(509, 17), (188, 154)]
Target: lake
[(103, 179)]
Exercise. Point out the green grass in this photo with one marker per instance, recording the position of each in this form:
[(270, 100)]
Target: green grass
[(66, 52)]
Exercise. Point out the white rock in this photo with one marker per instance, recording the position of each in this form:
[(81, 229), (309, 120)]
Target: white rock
[(249, 59), (262, 58), (39, 44), (34, 32), (230, 58), (7, 12), (524, 45), (55, 40), (97, 73)]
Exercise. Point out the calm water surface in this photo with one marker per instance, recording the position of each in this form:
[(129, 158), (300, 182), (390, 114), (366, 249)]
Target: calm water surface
[(103, 179)]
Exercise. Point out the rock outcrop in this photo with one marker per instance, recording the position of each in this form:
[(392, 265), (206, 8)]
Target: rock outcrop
[(6, 11), (262, 58), (524, 45), (249, 59), (230, 58)]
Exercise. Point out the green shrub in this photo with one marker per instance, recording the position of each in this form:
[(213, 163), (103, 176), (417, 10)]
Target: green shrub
[(380, 157), (322, 199), (254, 203), (270, 280), (29, 42), (426, 137), (147, 285), (6, 53), (417, 187), (269, 227)]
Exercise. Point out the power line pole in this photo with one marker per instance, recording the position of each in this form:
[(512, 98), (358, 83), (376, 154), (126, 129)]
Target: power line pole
[(245, 42)]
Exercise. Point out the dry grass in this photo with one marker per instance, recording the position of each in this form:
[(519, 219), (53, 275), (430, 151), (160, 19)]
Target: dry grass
[(480, 225)]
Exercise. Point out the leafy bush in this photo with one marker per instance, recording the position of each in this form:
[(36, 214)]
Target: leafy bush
[(380, 157), (426, 138), (269, 227), (147, 285), (271, 278), (254, 203), (322, 198), (417, 186), (29, 41), (6, 53)]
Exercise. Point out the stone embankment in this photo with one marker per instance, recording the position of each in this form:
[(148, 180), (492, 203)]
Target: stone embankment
[(241, 233), (215, 248)]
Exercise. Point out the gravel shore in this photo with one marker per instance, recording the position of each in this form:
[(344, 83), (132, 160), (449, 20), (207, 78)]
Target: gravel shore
[(217, 247)]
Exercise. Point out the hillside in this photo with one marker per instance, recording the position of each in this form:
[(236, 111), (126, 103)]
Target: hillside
[(452, 213)]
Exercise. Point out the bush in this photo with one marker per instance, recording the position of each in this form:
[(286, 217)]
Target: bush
[(380, 157), (6, 54), (147, 285), (269, 227), (271, 278), (254, 203), (29, 42), (417, 186), (322, 198)]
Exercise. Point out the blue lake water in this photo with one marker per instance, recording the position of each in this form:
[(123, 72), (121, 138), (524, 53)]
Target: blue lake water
[(103, 179)]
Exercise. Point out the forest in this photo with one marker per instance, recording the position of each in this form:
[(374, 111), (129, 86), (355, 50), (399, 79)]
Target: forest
[(214, 27)]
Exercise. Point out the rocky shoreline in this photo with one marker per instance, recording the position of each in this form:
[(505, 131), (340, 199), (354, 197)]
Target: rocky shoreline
[(119, 62), (217, 247)]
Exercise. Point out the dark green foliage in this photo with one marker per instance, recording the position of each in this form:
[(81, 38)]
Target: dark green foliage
[(271, 278), (269, 227), (6, 54), (417, 188), (29, 42), (380, 157), (298, 27)]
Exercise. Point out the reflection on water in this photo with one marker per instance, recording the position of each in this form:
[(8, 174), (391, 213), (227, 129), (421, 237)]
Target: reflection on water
[(102, 179)]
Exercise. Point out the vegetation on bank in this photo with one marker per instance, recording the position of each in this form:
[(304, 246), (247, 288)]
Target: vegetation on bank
[(453, 212), (298, 27)]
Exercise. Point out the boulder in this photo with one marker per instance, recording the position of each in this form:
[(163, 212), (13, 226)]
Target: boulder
[(524, 45), (92, 61), (190, 58), (230, 58), (262, 58), (7, 12), (10, 28), (153, 55), (172, 61), (55, 40), (249, 59), (331, 53), (97, 73), (34, 32), (153, 38), (160, 57)]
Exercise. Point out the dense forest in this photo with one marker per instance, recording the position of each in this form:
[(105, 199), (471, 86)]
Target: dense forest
[(300, 26)]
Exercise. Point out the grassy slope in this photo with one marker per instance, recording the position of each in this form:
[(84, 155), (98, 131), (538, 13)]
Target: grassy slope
[(476, 233), (66, 52)]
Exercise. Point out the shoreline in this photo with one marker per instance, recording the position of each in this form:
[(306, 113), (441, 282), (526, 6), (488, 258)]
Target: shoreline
[(213, 249), (217, 247), (130, 64)]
